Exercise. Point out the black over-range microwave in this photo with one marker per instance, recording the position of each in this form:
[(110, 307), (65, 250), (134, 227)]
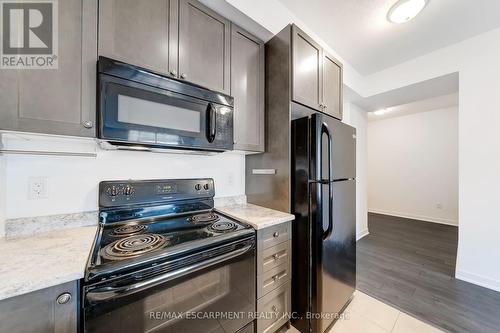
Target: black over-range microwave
[(142, 110)]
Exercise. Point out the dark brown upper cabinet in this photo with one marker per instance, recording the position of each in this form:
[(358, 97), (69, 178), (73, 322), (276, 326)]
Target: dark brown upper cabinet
[(138, 32), (204, 46), (332, 86), (180, 38), (307, 69), (247, 88), (316, 75), (57, 101)]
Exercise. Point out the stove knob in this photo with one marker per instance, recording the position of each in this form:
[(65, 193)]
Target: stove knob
[(197, 187), (112, 191), (127, 190), (206, 187)]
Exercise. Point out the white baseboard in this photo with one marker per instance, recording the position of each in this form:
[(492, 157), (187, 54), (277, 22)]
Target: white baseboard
[(362, 234), (478, 279), (415, 217)]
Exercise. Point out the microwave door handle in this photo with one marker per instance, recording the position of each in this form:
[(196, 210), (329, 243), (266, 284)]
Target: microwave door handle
[(212, 123), (109, 293)]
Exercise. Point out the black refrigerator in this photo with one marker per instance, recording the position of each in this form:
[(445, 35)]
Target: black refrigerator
[(323, 193)]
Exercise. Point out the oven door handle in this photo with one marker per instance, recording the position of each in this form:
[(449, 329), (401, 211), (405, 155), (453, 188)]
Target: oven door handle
[(109, 293)]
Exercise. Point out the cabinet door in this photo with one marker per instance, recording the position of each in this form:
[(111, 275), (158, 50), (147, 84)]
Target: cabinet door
[(137, 32), (48, 310), (307, 69), (332, 86), (247, 88), (9, 85), (204, 39), (62, 101)]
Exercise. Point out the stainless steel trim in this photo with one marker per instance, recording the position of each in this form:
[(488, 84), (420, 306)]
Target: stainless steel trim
[(117, 145), (46, 153), (263, 171), (107, 293), (180, 249)]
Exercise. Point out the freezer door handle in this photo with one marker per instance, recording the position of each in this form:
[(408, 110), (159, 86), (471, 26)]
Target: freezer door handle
[(326, 130)]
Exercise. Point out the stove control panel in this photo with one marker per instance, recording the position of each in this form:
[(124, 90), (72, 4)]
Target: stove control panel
[(133, 192)]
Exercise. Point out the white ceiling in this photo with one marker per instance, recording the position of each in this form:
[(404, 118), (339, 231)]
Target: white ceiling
[(359, 32), (435, 103), (442, 85)]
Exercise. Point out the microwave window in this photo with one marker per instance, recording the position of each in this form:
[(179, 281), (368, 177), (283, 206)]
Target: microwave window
[(143, 112)]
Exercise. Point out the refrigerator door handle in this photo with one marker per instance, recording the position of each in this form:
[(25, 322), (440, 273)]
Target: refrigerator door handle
[(326, 130)]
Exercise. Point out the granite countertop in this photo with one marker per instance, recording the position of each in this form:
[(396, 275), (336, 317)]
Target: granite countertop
[(48, 259), (256, 216)]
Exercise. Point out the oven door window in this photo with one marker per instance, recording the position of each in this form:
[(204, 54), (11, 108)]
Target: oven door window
[(192, 304), (138, 113)]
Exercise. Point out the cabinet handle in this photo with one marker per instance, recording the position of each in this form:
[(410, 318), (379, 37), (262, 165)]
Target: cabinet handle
[(276, 278), (275, 308), (88, 124), (173, 72), (64, 298), (325, 106), (276, 256), (184, 75), (276, 234)]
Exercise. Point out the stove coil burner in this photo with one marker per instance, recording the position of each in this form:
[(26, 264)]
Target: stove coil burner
[(224, 226), (129, 230), (133, 246), (204, 218)]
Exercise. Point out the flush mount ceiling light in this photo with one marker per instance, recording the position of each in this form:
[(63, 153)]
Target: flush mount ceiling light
[(404, 10), (380, 112)]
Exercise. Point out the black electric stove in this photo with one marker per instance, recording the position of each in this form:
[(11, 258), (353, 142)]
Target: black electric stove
[(162, 247), (142, 223)]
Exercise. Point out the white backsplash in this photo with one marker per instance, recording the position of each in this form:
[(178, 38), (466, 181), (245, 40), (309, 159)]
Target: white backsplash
[(73, 181)]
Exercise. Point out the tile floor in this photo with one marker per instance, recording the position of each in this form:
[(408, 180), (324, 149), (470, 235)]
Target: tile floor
[(365, 314)]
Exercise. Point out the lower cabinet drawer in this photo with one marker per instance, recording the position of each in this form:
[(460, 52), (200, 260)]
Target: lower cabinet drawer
[(274, 309), (274, 235), (272, 279), (274, 256)]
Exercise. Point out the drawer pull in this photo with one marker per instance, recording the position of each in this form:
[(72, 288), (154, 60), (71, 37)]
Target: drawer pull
[(275, 308), (276, 234), (276, 256), (63, 298), (276, 278)]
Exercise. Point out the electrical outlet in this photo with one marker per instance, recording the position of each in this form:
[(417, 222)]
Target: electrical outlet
[(230, 179), (37, 188)]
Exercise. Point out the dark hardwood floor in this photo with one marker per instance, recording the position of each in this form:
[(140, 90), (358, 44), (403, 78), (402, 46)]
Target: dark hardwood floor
[(410, 265)]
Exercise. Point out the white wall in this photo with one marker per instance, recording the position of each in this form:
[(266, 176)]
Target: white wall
[(73, 181), (357, 117), (413, 166), (476, 61)]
